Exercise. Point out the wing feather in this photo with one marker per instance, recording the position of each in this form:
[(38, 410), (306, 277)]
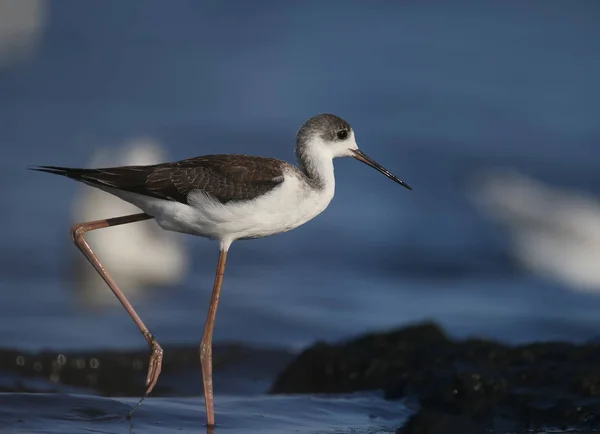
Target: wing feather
[(224, 177)]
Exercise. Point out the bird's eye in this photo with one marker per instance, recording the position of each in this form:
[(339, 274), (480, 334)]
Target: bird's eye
[(342, 134)]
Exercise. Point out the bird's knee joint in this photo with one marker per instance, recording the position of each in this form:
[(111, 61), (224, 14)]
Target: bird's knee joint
[(155, 346), (77, 232), (157, 350), (205, 351)]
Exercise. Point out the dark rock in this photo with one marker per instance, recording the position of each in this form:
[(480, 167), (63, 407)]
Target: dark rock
[(462, 386), (369, 362), (123, 373), (432, 421)]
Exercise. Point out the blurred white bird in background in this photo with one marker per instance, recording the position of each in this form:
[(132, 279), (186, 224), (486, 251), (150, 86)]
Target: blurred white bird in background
[(555, 232), (138, 256), (21, 29)]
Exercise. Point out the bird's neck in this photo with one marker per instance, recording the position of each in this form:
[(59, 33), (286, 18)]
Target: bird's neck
[(316, 166)]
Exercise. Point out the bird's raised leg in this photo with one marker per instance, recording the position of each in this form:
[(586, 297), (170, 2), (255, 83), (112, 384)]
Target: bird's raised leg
[(206, 345), (77, 232)]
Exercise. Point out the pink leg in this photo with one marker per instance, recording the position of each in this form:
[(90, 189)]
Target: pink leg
[(206, 345), (77, 232)]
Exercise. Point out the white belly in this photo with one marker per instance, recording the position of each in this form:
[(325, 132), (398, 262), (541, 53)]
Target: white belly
[(286, 207)]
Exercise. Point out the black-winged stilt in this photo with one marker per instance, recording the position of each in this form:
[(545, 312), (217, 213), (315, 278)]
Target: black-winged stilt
[(225, 198)]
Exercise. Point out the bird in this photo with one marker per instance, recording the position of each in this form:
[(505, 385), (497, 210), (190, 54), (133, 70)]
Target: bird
[(226, 197), (139, 255), (554, 232)]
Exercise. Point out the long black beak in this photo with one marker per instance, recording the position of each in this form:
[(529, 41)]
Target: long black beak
[(361, 156)]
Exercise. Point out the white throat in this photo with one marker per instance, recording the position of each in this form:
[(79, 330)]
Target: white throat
[(315, 159)]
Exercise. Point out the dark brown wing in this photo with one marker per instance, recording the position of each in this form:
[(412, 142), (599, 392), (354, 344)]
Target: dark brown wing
[(224, 177)]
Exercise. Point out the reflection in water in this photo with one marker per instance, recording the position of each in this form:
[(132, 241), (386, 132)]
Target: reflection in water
[(137, 255)]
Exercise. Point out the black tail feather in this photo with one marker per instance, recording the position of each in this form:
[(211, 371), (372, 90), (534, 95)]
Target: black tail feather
[(72, 173), (89, 176), (129, 178)]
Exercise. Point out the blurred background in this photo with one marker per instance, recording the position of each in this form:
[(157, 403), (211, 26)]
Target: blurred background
[(490, 110)]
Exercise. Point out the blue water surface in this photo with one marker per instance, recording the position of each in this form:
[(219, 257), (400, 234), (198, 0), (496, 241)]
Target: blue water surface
[(434, 91)]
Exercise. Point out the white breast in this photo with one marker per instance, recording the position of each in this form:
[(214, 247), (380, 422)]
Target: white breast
[(286, 207)]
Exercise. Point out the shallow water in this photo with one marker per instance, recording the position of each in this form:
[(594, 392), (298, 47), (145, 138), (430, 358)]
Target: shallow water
[(302, 414), (434, 92)]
